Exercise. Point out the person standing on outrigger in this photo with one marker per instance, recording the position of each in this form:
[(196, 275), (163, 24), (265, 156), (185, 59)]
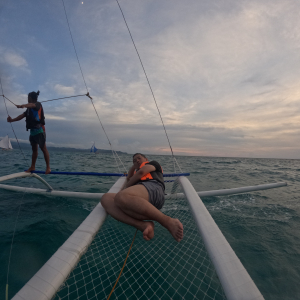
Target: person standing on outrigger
[(35, 121), (141, 199)]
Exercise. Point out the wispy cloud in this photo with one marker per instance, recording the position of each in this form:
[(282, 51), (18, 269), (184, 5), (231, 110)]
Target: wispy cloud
[(64, 90), (14, 59)]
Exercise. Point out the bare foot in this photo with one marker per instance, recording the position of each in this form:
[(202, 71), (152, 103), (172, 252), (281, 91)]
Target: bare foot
[(30, 169), (176, 229), (148, 232), (48, 170)]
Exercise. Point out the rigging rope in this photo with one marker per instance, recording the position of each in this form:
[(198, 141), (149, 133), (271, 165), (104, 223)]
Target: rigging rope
[(11, 124), (74, 46), (88, 95), (88, 90), (149, 85), (123, 266), (8, 99)]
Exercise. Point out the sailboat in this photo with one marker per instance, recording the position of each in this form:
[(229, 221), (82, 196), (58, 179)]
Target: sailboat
[(94, 149), (5, 143)]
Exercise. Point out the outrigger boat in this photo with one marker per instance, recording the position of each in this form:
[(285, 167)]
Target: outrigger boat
[(202, 266)]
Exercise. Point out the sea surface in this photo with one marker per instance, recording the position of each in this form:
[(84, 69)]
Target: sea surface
[(263, 228)]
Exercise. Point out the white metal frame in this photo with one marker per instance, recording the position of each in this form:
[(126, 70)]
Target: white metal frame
[(235, 280), (45, 283), (51, 192), (24, 175)]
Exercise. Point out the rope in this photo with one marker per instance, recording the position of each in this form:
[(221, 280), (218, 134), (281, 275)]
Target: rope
[(8, 99), (123, 265), (10, 122), (88, 90), (177, 165), (120, 160), (147, 80), (113, 152), (88, 95), (74, 46)]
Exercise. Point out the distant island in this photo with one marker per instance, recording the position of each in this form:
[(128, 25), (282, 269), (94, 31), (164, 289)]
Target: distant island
[(51, 148)]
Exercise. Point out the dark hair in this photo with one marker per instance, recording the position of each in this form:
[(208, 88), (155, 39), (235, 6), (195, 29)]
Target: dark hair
[(34, 95), (139, 154)]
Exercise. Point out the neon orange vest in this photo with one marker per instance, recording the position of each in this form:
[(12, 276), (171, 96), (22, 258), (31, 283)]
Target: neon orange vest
[(147, 176)]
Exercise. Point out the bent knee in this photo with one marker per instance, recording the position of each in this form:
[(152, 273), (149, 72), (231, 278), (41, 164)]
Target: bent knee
[(105, 200), (121, 200)]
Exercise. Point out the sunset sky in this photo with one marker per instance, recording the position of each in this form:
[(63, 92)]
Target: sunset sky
[(225, 74)]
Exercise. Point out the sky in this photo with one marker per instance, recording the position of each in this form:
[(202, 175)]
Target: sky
[(225, 74)]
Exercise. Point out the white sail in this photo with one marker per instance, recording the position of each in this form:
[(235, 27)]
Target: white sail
[(5, 143)]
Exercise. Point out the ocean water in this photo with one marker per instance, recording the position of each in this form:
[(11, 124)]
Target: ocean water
[(263, 228)]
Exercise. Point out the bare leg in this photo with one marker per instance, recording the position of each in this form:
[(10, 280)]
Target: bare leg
[(133, 202), (108, 202), (34, 157), (133, 199), (47, 159)]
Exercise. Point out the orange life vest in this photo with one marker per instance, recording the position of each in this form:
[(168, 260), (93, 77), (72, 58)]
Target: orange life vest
[(154, 175), (147, 176)]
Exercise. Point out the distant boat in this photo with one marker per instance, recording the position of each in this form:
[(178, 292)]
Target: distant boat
[(5, 143), (94, 149)]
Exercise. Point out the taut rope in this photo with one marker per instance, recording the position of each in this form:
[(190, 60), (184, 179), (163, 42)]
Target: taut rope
[(123, 266), (112, 150), (174, 160), (10, 122)]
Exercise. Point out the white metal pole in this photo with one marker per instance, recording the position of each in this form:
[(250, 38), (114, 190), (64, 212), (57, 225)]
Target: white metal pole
[(45, 283), (235, 280)]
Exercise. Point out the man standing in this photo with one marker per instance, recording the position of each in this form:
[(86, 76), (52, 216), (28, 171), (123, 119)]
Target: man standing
[(141, 198), (35, 121)]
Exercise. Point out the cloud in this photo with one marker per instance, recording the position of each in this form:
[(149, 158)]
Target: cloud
[(225, 76), (54, 117), (64, 90), (14, 59)]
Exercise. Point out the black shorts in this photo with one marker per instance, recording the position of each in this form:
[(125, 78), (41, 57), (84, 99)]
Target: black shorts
[(39, 139)]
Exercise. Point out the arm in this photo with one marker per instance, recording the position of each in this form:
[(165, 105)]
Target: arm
[(18, 118), (130, 173), (28, 105), (138, 175)]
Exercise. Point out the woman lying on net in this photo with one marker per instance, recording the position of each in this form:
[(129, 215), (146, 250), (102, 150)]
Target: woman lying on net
[(138, 203)]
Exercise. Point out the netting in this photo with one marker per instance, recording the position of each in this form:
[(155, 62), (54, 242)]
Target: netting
[(158, 269)]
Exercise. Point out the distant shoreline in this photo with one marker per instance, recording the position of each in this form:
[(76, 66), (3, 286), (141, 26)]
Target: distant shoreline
[(26, 146), (52, 148)]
